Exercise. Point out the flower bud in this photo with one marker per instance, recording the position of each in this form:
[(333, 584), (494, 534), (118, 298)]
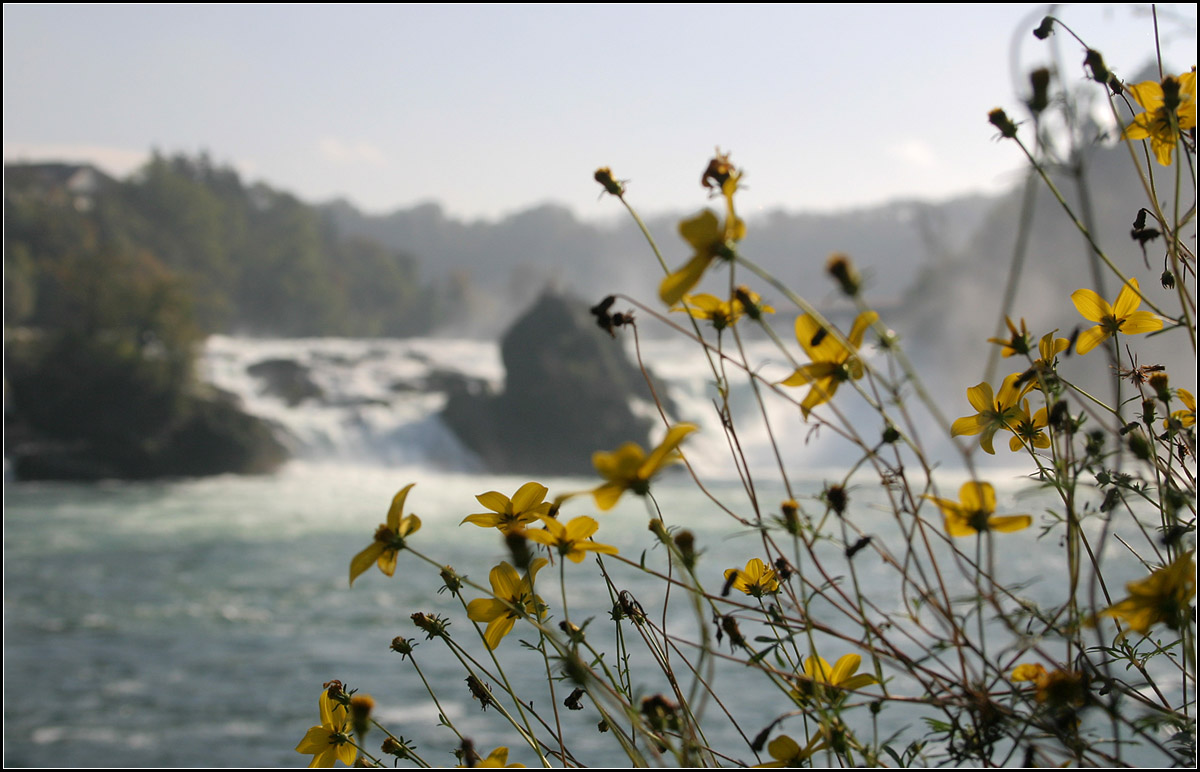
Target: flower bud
[(836, 498), (660, 712), (451, 580), (396, 747), (999, 119), (752, 307), (1039, 79), (1139, 447), (1171, 89), (336, 691), (434, 626), (518, 547), (361, 706), (791, 516), (480, 691), (686, 542), (730, 626), (1095, 62), (1045, 28), (1161, 383), (783, 569), (719, 170), (605, 177), (402, 646), (840, 268), (1168, 280)]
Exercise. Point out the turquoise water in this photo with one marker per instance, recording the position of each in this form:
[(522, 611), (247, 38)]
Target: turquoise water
[(192, 623)]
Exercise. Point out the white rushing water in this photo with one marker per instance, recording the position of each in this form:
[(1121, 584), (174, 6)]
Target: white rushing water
[(192, 622)]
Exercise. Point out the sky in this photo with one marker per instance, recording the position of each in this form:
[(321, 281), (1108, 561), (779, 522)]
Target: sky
[(492, 109)]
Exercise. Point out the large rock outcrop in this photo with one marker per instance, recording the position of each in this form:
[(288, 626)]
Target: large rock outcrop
[(79, 410), (569, 391)]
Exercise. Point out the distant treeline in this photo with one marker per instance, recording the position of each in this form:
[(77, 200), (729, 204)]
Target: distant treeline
[(183, 247)]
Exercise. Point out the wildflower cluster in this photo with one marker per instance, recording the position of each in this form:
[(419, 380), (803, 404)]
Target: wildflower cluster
[(1031, 659)]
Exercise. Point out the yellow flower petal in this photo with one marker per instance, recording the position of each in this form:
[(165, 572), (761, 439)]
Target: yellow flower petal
[(528, 496), (506, 582), (977, 496), (1009, 523), (846, 666), (659, 456), (966, 426), (365, 559), (497, 629), (1089, 339), (679, 283), (701, 231), (1128, 300), (486, 609), (981, 397), (1139, 322), (817, 341), (608, 495), (861, 324), (1090, 305), (495, 501), (1148, 94), (483, 519), (1027, 672), (397, 508)]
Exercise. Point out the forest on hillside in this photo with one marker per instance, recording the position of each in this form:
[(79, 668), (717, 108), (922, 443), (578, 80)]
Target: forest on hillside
[(183, 243)]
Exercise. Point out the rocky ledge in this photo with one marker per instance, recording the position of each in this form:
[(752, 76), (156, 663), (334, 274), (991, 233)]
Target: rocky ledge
[(569, 391)]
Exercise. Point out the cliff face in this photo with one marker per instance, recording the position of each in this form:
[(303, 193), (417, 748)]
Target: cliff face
[(568, 392)]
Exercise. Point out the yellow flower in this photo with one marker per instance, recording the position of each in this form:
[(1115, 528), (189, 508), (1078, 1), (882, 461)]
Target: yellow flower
[(1028, 672), (1186, 417), (722, 313), (1049, 347), (1161, 597), (330, 741), (996, 412), (1159, 123), (389, 539), (525, 506), (513, 599), (788, 753), (757, 579), (496, 758), (1122, 316), (1018, 340), (1028, 430), (974, 513), (628, 467), (573, 540), (832, 362), (709, 240), (820, 676)]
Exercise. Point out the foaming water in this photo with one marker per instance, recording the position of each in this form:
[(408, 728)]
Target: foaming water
[(192, 622)]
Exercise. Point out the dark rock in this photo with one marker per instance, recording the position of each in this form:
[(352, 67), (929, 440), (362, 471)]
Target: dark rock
[(287, 379), (84, 410), (217, 437), (568, 393)]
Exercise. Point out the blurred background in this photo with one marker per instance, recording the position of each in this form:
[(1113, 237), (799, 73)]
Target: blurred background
[(345, 247)]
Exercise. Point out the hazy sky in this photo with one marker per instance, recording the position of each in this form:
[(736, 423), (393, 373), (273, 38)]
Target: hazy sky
[(491, 109)]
